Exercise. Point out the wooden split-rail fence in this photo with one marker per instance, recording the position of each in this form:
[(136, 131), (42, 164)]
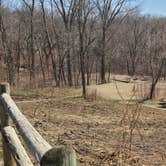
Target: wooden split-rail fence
[(14, 152)]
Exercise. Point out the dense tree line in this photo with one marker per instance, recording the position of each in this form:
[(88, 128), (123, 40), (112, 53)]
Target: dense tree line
[(79, 42)]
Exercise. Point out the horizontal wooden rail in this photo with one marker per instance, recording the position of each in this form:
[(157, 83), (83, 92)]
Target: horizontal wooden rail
[(43, 151), (33, 139), (16, 147)]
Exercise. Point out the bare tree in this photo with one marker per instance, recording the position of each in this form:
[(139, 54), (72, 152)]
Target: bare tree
[(7, 48), (31, 8), (67, 11), (156, 52), (84, 9), (108, 11), (134, 41)]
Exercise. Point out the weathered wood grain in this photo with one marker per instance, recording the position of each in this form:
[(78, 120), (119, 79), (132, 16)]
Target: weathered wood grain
[(7, 156), (15, 146), (44, 153), (62, 156), (33, 139)]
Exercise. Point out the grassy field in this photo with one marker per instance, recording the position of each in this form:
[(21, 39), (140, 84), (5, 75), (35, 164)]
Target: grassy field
[(128, 91), (103, 132), (115, 91)]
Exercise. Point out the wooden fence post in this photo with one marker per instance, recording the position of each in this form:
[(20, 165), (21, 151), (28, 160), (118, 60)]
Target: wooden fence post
[(45, 154), (7, 156), (62, 156)]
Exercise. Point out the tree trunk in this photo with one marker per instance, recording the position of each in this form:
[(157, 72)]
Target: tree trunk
[(69, 72), (103, 56), (83, 75)]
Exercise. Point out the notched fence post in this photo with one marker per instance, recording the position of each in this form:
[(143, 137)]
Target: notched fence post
[(7, 156)]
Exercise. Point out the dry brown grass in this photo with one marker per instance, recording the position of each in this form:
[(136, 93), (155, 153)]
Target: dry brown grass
[(109, 91), (102, 131), (127, 91)]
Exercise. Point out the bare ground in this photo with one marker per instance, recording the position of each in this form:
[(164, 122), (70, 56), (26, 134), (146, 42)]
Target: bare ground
[(99, 131)]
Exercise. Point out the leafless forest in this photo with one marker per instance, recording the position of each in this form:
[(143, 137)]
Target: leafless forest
[(84, 72), (79, 42)]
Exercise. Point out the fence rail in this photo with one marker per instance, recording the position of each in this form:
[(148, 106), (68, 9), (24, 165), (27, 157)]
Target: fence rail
[(14, 152)]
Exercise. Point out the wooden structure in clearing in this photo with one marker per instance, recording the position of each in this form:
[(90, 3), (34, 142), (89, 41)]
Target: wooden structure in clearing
[(13, 150)]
